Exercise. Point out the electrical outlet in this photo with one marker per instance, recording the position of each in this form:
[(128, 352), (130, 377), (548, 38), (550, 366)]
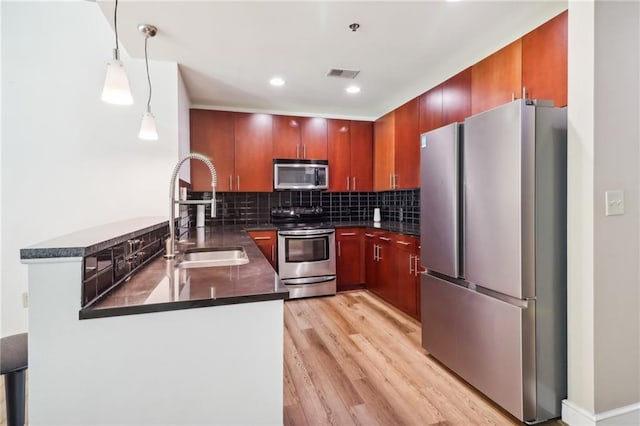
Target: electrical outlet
[(25, 300)]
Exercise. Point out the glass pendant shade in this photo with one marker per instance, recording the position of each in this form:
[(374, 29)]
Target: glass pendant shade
[(148, 128), (116, 85)]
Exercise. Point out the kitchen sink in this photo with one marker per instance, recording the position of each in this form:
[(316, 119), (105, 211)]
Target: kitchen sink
[(212, 257)]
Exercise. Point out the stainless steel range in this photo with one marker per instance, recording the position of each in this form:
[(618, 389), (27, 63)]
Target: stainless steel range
[(306, 251)]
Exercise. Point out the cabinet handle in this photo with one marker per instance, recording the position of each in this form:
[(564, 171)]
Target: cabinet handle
[(354, 184), (348, 234), (376, 255), (390, 181), (369, 235), (297, 150), (261, 238), (230, 183), (385, 238), (415, 268), (347, 183), (339, 249), (524, 92), (238, 186), (513, 96), (411, 263), (404, 243), (304, 151)]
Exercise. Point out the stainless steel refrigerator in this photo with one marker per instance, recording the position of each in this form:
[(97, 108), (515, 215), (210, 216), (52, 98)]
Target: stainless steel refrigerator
[(493, 234)]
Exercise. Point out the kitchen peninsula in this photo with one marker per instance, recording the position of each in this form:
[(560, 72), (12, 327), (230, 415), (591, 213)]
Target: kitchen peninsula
[(169, 345)]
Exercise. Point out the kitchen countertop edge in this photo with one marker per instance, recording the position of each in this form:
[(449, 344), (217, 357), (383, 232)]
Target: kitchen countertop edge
[(175, 306)]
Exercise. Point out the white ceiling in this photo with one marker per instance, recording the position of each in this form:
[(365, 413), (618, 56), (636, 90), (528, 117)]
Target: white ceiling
[(228, 50)]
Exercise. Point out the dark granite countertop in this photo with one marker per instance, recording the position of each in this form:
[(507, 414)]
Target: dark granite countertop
[(89, 241), (162, 286)]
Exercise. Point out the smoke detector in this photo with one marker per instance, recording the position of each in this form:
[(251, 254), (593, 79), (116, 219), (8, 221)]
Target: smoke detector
[(337, 72)]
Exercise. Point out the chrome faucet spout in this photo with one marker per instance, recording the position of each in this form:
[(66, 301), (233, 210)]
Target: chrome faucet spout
[(171, 242)]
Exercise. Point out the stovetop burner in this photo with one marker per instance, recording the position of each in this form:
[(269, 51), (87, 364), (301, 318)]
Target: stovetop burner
[(299, 217)]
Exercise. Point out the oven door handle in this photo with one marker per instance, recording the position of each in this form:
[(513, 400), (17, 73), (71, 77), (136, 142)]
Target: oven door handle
[(306, 233), (308, 280)]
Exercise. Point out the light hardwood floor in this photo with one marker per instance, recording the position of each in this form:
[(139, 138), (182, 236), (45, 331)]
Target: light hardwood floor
[(352, 359)]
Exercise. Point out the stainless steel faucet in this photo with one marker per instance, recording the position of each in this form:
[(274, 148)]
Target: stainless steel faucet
[(171, 242)]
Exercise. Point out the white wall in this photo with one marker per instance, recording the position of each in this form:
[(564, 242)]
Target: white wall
[(70, 161), (580, 205), (604, 154), (184, 131), (616, 271)]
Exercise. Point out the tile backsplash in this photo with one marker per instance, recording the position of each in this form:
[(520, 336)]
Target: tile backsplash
[(241, 208)]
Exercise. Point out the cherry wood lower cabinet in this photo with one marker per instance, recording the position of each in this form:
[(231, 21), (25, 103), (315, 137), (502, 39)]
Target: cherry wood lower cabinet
[(350, 258), (392, 268), (405, 266), (379, 265), (267, 242)]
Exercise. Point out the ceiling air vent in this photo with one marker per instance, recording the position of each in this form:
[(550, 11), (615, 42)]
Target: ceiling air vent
[(336, 72)]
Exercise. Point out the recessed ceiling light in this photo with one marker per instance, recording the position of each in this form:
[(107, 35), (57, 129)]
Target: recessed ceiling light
[(353, 89), (276, 81)]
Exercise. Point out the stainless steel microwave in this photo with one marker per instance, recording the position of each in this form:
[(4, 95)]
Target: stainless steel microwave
[(300, 174)]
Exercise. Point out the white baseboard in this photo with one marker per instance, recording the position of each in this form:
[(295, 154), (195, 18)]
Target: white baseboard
[(574, 415)]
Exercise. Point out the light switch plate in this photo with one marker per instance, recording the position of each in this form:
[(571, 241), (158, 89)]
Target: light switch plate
[(614, 202)]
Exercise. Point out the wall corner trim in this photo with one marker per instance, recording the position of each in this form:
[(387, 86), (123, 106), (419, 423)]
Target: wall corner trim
[(575, 415)]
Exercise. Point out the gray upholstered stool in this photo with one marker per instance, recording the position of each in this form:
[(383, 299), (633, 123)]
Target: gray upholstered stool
[(13, 363)]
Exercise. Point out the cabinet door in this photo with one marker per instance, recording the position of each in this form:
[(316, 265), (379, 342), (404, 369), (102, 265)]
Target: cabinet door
[(267, 243), (387, 286), (544, 61), (212, 135), (404, 263), (431, 109), (497, 79), (370, 264), (253, 153), (350, 258), (383, 159), (361, 156), (314, 138), (339, 149), (286, 136), (407, 146), (456, 98)]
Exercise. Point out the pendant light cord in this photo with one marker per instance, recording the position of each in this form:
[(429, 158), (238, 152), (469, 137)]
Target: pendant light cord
[(146, 61), (115, 22)]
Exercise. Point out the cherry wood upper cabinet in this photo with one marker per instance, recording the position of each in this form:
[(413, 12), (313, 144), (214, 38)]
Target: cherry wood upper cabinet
[(286, 136), (544, 61), (383, 152), (431, 116), (456, 98), (314, 138), (497, 79), (361, 156), (253, 152), (212, 135), (350, 152), (407, 146), (339, 150)]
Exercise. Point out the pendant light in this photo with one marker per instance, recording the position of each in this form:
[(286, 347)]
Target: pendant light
[(116, 86), (148, 128)]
